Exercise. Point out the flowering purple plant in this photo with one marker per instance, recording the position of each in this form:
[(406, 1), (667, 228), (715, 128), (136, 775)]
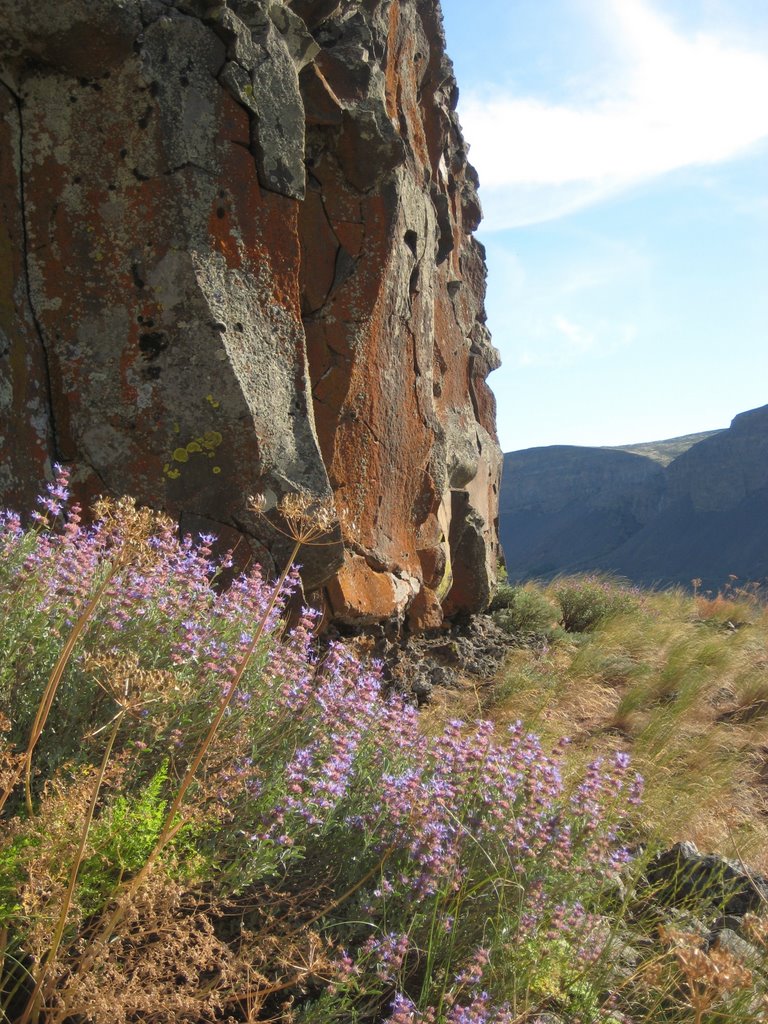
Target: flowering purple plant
[(437, 855)]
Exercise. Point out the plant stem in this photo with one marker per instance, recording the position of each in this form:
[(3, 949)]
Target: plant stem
[(46, 701), (33, 1005)]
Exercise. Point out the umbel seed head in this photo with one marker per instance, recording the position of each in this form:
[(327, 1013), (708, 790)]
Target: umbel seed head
[(306, 519)]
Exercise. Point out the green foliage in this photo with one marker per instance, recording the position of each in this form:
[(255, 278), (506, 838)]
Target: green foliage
[(503, 597), (584, 603), (523, 611), (122, 839), (127, 833), (223, 825), (12, 875)]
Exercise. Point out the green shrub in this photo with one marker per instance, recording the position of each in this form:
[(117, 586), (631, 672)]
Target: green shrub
[(525, 611), (585, 603), (504, 596)]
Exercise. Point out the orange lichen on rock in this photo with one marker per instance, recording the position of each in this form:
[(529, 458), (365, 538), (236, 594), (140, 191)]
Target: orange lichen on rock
[(252, 222)]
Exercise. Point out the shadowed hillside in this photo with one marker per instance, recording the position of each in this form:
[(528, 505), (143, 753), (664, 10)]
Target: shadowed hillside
[(704, 515), (564, 505)]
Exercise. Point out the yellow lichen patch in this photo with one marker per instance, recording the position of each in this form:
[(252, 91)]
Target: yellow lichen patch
[(446, 582), (213, 402), (205, 444)]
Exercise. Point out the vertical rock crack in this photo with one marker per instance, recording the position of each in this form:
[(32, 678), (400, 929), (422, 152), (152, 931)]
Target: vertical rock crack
[(18, 103)]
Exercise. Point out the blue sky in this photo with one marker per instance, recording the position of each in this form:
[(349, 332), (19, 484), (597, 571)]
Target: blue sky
[(622, 147)]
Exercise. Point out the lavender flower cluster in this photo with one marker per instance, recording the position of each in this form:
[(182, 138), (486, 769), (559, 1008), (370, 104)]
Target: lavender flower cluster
[(326, 764)]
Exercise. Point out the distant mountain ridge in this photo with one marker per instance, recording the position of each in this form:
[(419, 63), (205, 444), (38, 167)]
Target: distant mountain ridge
[(665, 451), (658, 513)]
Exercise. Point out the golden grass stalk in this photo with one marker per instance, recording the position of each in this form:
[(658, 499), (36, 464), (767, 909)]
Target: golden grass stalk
[(32, 1009), (49, 693)]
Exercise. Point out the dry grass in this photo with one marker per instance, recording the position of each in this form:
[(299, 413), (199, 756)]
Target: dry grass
[(681, 683)]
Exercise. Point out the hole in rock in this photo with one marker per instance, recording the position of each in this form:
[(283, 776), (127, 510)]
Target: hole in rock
[(152, 344)]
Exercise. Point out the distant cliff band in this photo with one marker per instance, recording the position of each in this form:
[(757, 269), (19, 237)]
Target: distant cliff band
[(703, 516)]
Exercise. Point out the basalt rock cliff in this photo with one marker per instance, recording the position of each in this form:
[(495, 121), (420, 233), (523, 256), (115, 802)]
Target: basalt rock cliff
[(236, 257), (703, 516)]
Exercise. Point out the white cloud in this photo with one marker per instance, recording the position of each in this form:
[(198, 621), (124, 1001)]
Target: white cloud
[(679, 101), (608, 264), (560, 341), (576, 306), (577, 337)]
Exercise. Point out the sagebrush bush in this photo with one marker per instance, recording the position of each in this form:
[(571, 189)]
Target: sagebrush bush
[(524, 611), (588, 601)]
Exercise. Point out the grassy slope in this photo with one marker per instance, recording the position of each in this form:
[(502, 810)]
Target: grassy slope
[(667, 450), (681, 683)]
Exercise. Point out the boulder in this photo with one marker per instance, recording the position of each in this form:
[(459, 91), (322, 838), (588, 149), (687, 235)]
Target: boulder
[(682, 876)]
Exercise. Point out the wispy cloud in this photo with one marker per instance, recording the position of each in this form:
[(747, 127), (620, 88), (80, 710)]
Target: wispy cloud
[(679, 101), (571, 309), (577, 337), (560, 341)]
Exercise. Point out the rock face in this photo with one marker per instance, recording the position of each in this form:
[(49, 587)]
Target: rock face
[(236, 257), (704, 516)]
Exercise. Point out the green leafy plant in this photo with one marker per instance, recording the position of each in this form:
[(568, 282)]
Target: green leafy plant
[(122, 840)]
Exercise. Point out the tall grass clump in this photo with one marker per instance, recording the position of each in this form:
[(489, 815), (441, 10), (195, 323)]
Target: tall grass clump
[(679, 681), (206, 817)]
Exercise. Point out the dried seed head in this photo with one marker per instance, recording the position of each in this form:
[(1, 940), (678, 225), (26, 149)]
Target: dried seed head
[(709, 973), (257, 503), (306, 519), (131, 687), (131, 526)]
